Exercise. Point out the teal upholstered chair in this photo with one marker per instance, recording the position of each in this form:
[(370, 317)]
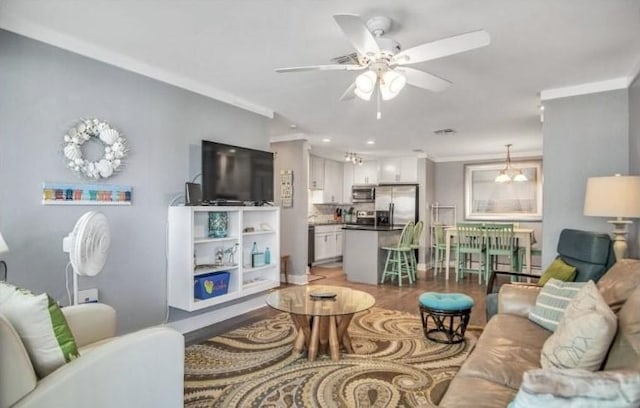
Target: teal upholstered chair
[(590, 253)]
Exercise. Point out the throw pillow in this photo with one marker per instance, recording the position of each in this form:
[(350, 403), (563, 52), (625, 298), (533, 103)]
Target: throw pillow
[(617, 284), (584, 334), (561, 388), (42, 327), (551, 302), (560, 270)]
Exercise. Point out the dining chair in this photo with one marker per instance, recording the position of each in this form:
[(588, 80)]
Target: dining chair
[(415, 246), (471, 241), (500, 241), (440, 247), (398, 263)]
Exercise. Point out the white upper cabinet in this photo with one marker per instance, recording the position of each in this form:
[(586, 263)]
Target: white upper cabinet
[(333, 182), (348, 182), (316, 173), (366, 174), (398, 170)]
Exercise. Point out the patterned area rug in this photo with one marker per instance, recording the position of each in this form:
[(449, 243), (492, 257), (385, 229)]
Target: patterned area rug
[(393, 366)]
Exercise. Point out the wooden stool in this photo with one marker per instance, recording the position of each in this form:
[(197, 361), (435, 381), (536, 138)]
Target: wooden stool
[(284, 266), (440, 306)]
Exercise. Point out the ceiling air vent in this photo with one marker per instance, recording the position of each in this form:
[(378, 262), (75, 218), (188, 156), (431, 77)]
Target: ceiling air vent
[(446, 132), (346, 59)]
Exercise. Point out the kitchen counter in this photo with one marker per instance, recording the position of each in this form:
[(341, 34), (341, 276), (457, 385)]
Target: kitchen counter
[(373, 228), (313, 224), (363, 259)]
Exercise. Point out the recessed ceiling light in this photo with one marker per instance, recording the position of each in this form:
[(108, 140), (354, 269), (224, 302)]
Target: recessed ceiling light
[(371, 142), (293, 126), (326, 140)]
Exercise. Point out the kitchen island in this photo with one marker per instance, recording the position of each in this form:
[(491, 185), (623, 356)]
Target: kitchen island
[(363, 259)]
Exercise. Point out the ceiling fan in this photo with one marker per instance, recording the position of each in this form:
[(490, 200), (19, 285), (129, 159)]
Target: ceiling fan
[(384, 61)]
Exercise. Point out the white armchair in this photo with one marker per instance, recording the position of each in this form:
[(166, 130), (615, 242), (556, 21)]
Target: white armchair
[(141, 369)]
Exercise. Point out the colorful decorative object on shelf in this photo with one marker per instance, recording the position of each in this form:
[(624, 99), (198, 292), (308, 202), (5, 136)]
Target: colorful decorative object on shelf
[(115, 149), (218, 224), (85, 194)]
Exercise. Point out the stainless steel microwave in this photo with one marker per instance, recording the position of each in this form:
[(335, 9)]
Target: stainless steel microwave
[(363, 193)]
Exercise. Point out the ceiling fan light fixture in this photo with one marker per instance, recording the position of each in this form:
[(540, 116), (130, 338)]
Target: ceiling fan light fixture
[(393, 82), (366, 82)]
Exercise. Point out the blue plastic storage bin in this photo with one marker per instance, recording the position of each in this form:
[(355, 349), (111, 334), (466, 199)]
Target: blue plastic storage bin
[(211, 285)]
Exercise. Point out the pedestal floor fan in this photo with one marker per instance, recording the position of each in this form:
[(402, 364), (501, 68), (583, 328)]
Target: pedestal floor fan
[(87, 245)]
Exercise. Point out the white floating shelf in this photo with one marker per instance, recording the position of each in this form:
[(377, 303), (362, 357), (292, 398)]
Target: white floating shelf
[(258, 233), (205, 240), (204, 269)]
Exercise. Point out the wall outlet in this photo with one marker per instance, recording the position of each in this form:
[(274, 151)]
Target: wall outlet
[(88, 296)]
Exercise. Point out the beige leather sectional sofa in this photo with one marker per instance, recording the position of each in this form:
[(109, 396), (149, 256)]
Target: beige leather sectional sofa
[(511, 344)]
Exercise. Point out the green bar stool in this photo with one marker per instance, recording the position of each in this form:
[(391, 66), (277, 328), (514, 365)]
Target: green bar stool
[(415, 245), (398, 262)]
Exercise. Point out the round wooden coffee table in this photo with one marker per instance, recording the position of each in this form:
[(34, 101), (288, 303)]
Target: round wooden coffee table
[(321, 322)]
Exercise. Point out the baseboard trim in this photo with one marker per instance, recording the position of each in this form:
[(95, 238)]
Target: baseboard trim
[(218, 315), (297, 279)]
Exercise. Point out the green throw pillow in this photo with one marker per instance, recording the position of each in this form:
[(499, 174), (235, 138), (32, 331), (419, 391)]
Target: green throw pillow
[(42, 327), (558, 270)]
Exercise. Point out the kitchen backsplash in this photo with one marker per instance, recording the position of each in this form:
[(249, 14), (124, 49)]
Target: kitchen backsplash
[(327, 212)]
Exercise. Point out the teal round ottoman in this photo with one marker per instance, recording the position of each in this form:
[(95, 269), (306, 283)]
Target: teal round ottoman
[(449, 313)]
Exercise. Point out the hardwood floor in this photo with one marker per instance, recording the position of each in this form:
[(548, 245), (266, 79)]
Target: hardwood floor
[(388, 296)]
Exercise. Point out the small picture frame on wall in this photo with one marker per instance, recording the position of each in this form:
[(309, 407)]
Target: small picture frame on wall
[(286, 188)]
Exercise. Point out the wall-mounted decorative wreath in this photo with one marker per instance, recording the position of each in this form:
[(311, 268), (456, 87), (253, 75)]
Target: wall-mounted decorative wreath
[(115, 149)]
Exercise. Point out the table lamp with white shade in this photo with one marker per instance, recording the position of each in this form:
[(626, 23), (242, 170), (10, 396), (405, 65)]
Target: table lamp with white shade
[(3, 248), (616, 196)]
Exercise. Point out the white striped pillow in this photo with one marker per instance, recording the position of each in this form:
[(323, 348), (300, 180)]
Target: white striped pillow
[(552, 301)]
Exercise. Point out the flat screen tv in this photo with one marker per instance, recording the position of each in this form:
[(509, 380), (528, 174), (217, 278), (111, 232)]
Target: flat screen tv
[(236, 174)]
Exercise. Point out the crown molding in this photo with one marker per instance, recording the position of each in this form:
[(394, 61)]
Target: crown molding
[(288, 138), (37, 32), (584, 89), (486, 156)]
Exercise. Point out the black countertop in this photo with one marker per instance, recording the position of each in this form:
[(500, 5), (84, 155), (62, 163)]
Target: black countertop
[(373, 228)]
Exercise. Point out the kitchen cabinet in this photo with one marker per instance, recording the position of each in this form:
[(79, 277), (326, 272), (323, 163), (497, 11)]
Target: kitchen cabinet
[(347, 182), (367, 173), (334, 178), (316, 173), (328, 242), (398, 170)]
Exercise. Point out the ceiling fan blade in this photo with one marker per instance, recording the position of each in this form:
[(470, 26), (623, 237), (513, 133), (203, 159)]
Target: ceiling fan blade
[(349, 94), (358, 33), (442, 48), (333, 67), (423, 80)]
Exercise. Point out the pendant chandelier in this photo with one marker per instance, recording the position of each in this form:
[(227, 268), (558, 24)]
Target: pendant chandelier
[(509, 173)]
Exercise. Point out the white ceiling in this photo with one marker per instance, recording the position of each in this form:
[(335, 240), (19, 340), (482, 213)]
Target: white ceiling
[(230, 48)]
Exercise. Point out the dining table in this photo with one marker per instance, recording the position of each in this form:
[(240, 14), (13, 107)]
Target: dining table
[(523, 235)]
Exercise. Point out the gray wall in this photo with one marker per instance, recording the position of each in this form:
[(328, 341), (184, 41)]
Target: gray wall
[(584, 136), (293, 155), (427, 181), (634, 156), (45, 90)]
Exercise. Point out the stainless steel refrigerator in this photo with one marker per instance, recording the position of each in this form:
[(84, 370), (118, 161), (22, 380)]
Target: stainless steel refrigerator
[(396, 204)]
